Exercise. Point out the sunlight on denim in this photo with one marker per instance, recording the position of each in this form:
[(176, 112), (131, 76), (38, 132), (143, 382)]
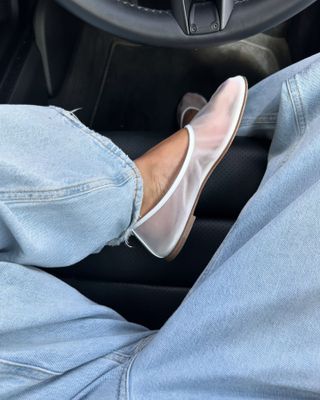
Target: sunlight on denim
[(250, 326)]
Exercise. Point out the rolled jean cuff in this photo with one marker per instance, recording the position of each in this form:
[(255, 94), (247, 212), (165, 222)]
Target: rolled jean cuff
[(137, 195), (130, 169), (132, 172)]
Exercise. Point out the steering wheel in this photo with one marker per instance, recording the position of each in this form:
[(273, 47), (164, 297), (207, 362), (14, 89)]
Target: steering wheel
[(189, 23)]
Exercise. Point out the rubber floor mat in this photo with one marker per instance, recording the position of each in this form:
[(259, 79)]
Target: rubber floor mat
[(143, 85)]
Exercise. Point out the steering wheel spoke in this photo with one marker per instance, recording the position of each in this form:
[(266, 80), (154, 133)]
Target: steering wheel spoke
[(181, 11), (225, 8)]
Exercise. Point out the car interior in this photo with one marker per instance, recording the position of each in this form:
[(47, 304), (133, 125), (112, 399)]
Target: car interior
[(122, 68)]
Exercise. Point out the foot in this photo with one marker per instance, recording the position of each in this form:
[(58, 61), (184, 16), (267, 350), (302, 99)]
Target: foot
[(159, 167), (175, 171)]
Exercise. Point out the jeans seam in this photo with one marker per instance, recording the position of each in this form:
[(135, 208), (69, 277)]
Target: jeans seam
[(298, 109), (124, 380), (296, 101), (257, 123), (30, 367), (48, 195), (118, 358), (265, 123), (269, 118)]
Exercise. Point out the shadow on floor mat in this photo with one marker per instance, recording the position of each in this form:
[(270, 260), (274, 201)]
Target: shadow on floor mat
[(144, 84)]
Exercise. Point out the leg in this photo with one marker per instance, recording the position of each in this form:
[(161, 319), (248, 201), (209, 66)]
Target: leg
[(66, 192), (264, 100), (44, 348), (250, 327), (57, 344)]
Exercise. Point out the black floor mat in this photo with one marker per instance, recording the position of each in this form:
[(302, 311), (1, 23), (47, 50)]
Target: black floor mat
[(144, 85), (120, 86)]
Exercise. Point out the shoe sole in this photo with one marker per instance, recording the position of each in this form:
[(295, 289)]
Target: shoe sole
[(192, 218)]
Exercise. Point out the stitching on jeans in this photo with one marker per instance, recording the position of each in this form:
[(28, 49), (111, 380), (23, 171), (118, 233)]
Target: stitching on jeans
[(253, 124), (79, 185), (298, 110), (120, 354), (28, 366), (123, 391), (90, 386), (124, 381), (119, 359), (296, 100), (56, 194), (299, 114), (264, 117), (302, 118)]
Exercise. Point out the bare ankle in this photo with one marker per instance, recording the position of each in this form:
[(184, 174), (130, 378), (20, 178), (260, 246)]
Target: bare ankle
[(146, 174), (159, 166)]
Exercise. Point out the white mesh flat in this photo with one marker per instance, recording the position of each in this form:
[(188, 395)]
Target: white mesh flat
[(165, 228)]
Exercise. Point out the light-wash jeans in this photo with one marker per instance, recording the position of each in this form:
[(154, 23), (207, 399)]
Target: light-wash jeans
[(250, 326)]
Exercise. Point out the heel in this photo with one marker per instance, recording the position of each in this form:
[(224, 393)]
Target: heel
[(182, 239)]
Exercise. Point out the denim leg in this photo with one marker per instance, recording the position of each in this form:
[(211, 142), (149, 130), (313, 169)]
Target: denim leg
[(66, 191), (57, 344), (250, 326), (264, 98)]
